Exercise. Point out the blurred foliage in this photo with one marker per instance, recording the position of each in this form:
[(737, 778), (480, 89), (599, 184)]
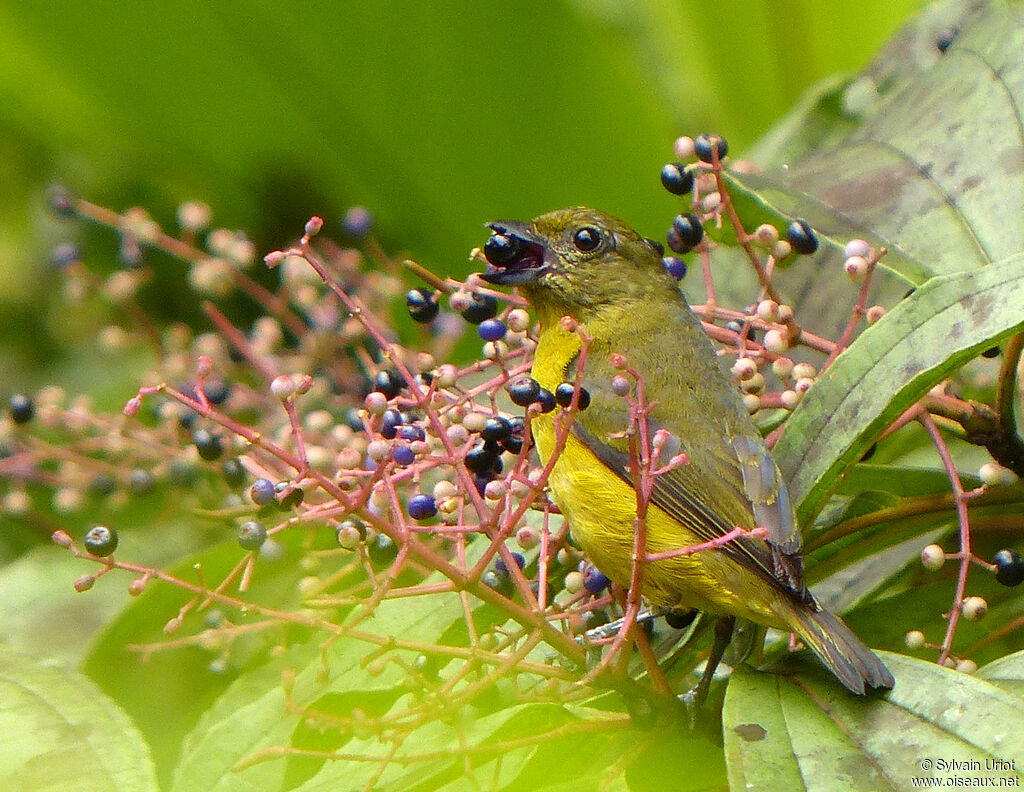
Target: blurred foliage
[(436, 118)]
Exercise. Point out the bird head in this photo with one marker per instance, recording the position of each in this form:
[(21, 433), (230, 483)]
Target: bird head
[(573, 260)]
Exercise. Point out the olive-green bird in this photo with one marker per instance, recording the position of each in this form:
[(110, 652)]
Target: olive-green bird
[(585, 264)]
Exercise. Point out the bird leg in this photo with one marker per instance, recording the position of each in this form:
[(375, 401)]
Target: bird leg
[(695, 698)]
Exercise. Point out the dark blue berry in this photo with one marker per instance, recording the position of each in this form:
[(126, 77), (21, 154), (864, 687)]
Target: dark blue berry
[(64, 255), (103, 484), (357, 222), (233, 472), (991, 352), (481, 308), (501, 566), (422, 507), (208, 444), (422, 305), (689, 228), (705, 147), (675, 242), (492, 329), (564, 393), (290, 498), (61, 201), (675, 266), (403, 455), (389, 423), (482, 457), (524, 391), (547, 400), (680, 619), (801, 237), (411, 432), (676, 178), (353, 419), (654, 243), (499, 581), (594, 580), (252, 535), (945, 39), (140, 482), (217, 391), (101, 540), (496, 428), (1009, 567), (262, 492), (21, 407), (182, 472), (481, 480), (517, 436), (501, 250), (736, 326), (389, 382)]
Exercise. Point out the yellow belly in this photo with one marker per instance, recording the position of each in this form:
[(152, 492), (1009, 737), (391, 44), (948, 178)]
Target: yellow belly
[(601, 510)]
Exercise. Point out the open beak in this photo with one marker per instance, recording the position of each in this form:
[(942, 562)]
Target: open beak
[(514, 254)]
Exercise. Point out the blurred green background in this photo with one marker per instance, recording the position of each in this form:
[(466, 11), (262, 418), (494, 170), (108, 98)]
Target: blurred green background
[(438, 116)]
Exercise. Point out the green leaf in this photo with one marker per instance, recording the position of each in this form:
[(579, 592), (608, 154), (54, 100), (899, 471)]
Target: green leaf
[(62, 733), (938, 328), (806, 733)]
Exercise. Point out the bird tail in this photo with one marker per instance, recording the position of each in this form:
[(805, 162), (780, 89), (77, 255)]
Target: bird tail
[(842, 652)]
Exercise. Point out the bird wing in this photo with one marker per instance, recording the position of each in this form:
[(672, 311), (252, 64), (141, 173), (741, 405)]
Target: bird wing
[(730, 479)]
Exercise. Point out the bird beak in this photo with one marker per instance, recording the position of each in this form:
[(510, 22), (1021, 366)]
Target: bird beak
[(514, 253)]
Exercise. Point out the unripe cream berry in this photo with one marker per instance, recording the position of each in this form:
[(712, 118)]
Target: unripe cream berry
[(683, 147), (933, 557), (966, 666), (782, 367), (742, 369), (527, 537), (804, 371), (447, 375), (790, 399), (974, 608), (776, 341), (856, 268), (914, 639), (766, 234), (752, 402), (753, 384), (768, 310), (574, 582), (857, 247), (283, 386), (991, 474), (874, 313), (781, 250), (518, 320), (445, 489)]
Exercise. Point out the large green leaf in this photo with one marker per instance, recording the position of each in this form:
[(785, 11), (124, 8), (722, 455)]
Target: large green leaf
[(806, 733), (62, 733), (924, 338)]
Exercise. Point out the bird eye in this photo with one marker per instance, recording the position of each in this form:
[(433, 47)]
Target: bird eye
[(586, 239)]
